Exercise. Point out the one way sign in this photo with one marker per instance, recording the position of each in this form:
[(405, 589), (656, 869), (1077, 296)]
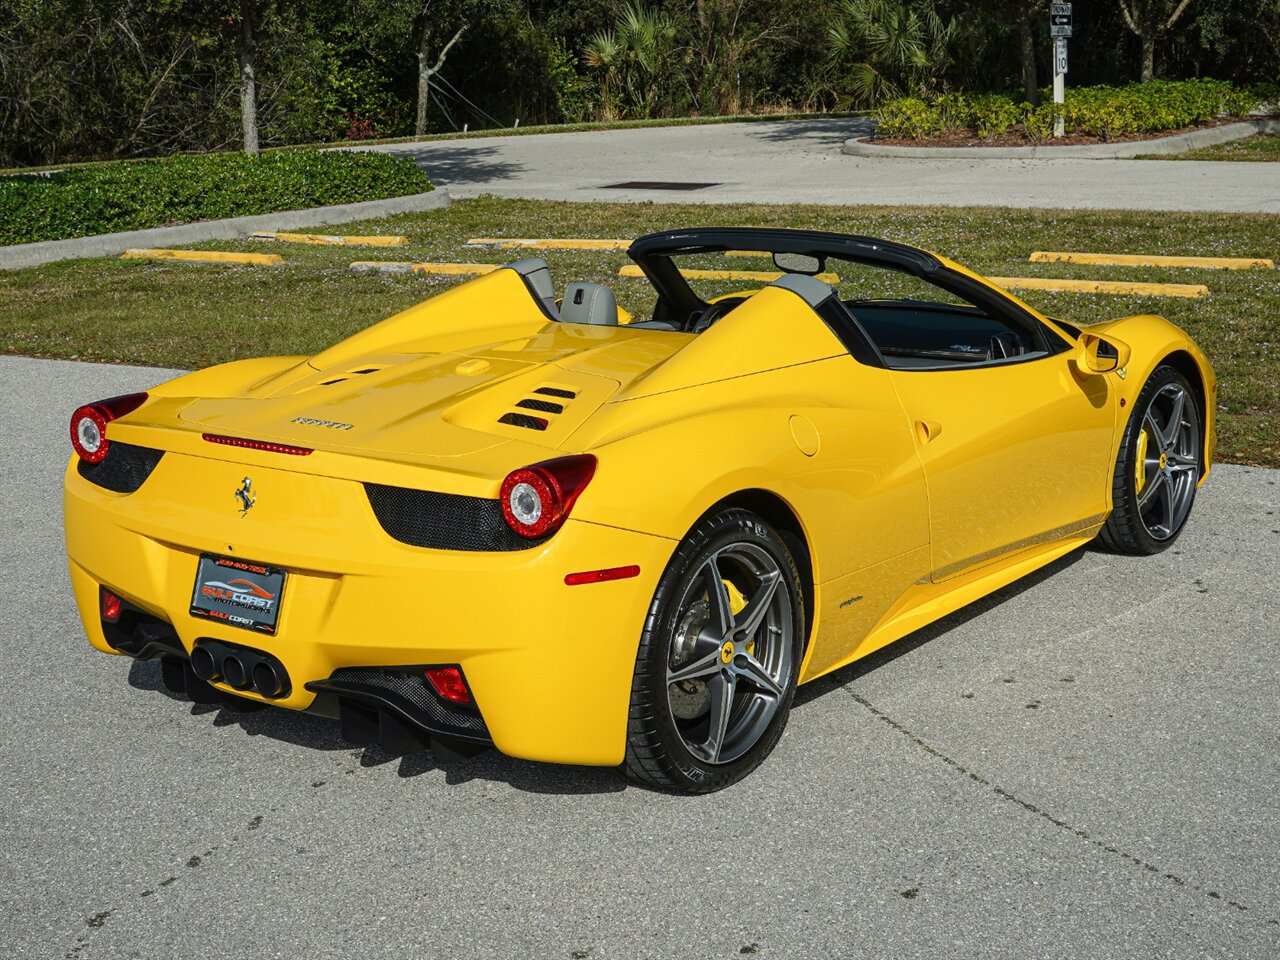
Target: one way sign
[(1059, 19)]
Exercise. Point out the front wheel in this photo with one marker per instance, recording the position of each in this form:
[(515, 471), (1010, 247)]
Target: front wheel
[(1158, 467), (718, 659)]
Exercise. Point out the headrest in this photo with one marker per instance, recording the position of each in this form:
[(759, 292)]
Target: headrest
[(810, 289), (589, 303)]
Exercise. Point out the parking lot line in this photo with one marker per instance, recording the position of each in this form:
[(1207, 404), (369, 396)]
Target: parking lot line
[(509, 243), (327, 240), (1144, 260), (1114, 287), (202, 256), (446, 269)]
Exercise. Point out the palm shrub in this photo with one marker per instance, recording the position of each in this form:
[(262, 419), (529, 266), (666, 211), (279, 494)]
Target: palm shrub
[(636, 64), (881, 49)]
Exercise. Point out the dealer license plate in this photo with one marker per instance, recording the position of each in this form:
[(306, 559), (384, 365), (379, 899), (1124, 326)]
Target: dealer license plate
[(238, 593)]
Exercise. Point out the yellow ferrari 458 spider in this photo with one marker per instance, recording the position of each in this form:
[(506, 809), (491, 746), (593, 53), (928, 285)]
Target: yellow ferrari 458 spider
[(506, 518)]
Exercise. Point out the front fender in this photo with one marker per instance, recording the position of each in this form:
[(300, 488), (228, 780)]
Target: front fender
[(1155, 341)]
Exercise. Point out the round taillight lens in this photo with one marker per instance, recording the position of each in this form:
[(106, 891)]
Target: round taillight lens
[(89, 424), (89, 434), (536, 500), (526, 501)]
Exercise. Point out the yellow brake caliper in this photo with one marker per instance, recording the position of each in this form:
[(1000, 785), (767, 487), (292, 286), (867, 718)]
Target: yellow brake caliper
[(738, 603), (1140, 467)]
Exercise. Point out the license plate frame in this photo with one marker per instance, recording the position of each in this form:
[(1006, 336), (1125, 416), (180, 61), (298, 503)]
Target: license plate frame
[(238, 593)]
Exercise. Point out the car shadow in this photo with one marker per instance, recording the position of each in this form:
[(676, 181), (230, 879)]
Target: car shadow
[(830, 133), (322, 734), (448, 163), (913, 641)]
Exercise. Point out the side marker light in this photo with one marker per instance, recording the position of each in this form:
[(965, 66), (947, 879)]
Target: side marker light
[(601, 576)]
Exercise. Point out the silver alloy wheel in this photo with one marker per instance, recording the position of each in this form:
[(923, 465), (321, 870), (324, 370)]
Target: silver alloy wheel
[(1168, 465), (727, 673)]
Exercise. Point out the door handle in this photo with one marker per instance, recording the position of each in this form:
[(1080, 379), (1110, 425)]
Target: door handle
[(928, 430)]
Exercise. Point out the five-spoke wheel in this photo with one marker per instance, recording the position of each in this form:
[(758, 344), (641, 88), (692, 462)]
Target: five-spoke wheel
[(718, 659), (1158, 468)]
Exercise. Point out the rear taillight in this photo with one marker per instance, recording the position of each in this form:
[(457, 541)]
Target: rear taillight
[(448, 682), (536, 500), (110, 605), (89, 424)]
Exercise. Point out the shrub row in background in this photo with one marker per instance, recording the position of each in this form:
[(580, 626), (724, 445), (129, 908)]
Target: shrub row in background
[(182, 189), (1106, 112)]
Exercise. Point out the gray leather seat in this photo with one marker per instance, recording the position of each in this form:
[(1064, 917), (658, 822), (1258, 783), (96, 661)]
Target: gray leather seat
[(592, 303)]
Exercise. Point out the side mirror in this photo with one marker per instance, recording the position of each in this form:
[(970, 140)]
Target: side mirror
[(1098, 354)]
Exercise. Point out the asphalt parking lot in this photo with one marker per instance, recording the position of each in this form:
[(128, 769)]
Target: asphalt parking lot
[(800, 161), (1083, 765)]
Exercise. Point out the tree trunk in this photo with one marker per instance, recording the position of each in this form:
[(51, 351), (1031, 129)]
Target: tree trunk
[(1027, 53), (424, 77), (246, 50), (1148, 54)]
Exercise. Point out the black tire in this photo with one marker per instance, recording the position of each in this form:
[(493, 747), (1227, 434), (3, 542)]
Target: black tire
[(1137, 524), (744, 553)]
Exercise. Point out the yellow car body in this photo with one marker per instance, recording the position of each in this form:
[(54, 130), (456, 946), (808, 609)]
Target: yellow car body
[(906, 493)]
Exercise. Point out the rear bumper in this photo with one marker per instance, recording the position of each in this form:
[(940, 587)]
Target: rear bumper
[(549, 665)]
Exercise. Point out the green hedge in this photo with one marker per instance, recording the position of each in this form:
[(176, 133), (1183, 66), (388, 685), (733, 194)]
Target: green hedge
[(134, 195), (1105, 112)]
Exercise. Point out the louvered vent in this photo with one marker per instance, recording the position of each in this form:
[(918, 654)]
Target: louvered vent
[(523, 420), (529, 422), (544, 406)]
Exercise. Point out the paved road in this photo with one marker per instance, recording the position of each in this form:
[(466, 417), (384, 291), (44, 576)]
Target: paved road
[(799, 161), (1084, 765)]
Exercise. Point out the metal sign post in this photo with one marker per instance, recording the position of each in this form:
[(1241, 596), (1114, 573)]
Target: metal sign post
[(1059, 30)]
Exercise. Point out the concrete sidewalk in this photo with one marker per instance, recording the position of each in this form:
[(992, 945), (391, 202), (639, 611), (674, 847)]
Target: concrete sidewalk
[(801, 161)]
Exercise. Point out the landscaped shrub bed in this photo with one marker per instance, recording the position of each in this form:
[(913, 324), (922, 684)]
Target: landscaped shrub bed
[(133, 195), (1107, 113)]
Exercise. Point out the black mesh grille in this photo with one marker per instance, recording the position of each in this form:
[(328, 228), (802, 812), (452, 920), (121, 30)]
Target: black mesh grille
[(123, 469), (556, 392), (413, 688), (523, 420), (444, 521), (546, 406)]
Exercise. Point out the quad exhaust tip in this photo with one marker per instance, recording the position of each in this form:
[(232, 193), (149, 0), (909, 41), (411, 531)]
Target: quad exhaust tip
[(269, 678), (235, 672), (204, 666)]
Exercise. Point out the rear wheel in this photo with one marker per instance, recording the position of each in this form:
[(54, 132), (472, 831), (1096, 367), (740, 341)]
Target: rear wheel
[(1158, 467), (718, 659)]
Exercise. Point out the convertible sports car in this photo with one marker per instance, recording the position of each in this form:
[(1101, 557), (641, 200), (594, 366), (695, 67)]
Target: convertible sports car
[(542, 524)]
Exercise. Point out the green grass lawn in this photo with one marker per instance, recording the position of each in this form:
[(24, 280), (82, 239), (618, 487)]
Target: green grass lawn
[(1260, 147), (182, 315)]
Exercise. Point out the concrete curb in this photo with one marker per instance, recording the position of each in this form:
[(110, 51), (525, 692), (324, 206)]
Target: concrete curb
[(858, 147), (234, 228)]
